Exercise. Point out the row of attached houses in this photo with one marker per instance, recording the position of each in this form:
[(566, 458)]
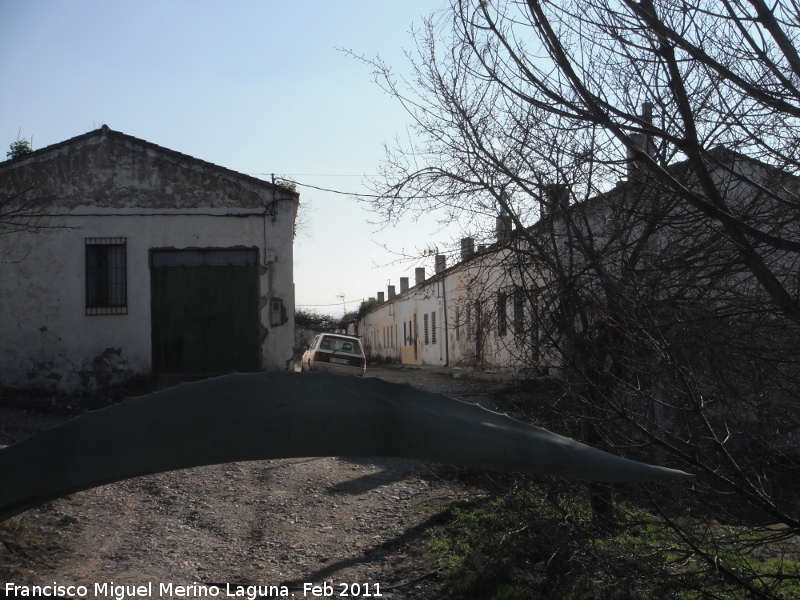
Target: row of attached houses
[(119, 257), (489, 311), (461, 316)]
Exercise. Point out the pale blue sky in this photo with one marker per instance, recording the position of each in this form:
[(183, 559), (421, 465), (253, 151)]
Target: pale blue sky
[(254, 86)]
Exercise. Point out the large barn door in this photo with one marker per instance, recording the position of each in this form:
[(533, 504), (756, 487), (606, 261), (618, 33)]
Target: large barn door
[(205, 316)]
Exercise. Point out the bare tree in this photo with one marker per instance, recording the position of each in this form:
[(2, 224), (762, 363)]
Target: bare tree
[(648, 156), (24, 210), (24, 207)]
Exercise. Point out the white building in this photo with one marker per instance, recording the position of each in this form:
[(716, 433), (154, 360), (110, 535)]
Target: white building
[(463, 316), (488, 312), (145, 261)]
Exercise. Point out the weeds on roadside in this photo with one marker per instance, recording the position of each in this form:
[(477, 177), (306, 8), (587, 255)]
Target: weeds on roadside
[(24, 548), (538, 540)]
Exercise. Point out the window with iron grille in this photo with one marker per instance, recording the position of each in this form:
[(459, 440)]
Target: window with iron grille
[(458, 321), (433, 328), (106, 276), (425, 326)]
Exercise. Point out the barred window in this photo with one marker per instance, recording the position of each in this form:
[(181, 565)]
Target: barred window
[(425, 326), (433, 328), (106, 276), (458, 321)]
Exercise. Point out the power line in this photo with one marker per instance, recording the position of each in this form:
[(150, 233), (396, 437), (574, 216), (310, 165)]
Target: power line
[(334, 304), (315, 174), (360, 195), (322, 189)]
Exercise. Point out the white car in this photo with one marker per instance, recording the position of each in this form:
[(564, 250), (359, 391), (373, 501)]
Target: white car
[(334, 352)]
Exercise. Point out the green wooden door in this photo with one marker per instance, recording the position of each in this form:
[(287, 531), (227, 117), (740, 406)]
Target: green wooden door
[(205, 316)]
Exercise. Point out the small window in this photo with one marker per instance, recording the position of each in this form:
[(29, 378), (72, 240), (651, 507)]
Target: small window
[(433, 328), (458, 321), (106, 276), (425, 327), (519, 313)]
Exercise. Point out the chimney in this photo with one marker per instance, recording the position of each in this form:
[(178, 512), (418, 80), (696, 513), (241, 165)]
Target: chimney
[(503, 227), (642, 141), (467, 248), (390, 292), (419, 275), (556, 199), (481, 248), (441, 263), (403, 284), (380, 297)]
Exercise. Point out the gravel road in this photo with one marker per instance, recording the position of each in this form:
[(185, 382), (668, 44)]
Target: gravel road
[(267, 523)]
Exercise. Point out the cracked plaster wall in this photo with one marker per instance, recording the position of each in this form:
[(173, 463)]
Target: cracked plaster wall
[(48, 340)]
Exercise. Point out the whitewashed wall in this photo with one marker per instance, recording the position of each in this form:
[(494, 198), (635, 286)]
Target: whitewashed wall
[(47, 337), (109, 185), (389, 331), (452, 296)]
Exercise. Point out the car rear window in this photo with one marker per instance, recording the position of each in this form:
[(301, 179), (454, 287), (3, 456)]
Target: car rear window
[(338, 344)]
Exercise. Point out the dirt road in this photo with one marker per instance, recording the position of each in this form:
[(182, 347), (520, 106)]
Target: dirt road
[(268, 523)]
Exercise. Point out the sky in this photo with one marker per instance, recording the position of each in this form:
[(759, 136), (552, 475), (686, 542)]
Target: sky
[(257, 86)]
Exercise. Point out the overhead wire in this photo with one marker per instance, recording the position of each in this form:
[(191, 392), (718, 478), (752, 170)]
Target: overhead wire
[(321, 189), (334, 304), (355, 194), (316, 174)]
